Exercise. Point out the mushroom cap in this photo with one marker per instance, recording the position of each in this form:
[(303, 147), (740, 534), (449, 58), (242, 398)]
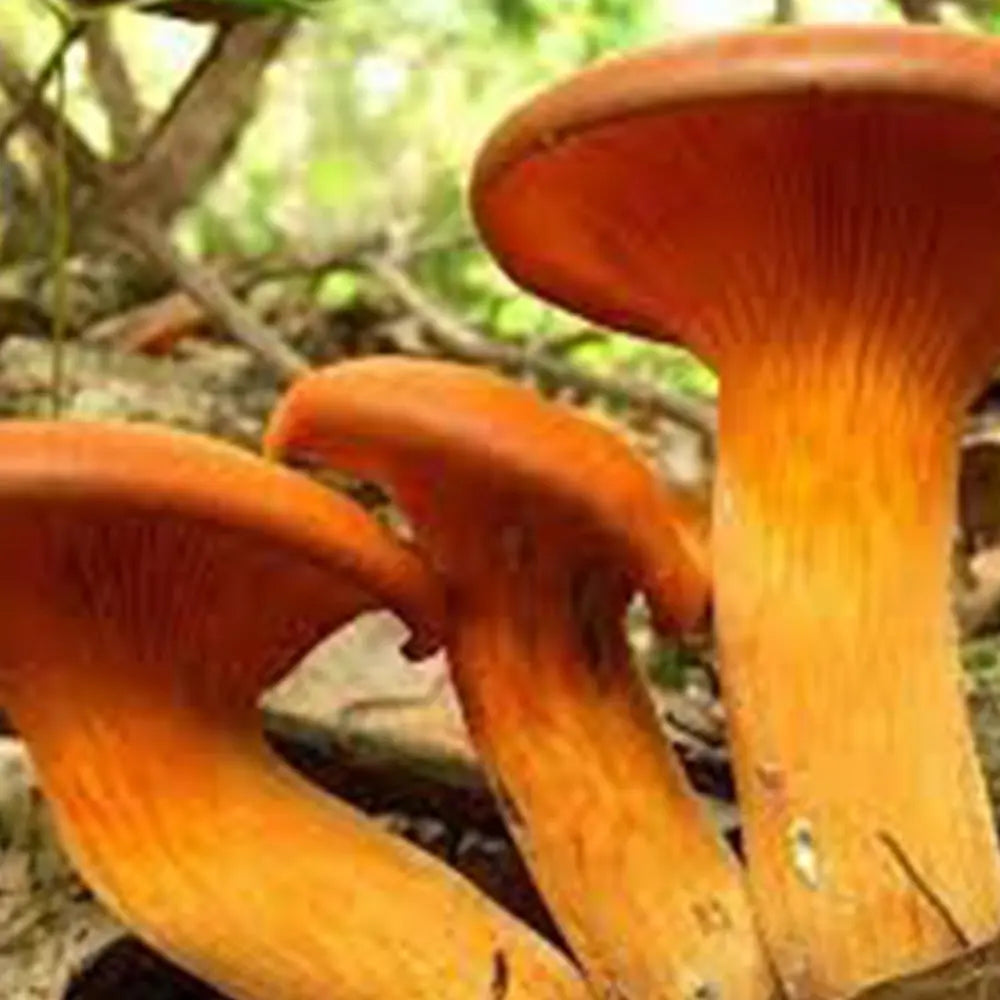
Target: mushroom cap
[(644, 188), (475, 440), (93, 507)]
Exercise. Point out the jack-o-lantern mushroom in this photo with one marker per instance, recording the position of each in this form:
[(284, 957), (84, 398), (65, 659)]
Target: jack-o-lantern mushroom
[(543, 525), (816, 212), (154, 584)]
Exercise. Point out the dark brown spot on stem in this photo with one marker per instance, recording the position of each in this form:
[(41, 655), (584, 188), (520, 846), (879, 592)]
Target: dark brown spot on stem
[(596, 626), (712, 917), (500, 982), (706, 991)]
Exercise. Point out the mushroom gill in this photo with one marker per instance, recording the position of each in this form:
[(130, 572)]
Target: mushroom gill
[(543, 526), (155, 583), (815, 212)]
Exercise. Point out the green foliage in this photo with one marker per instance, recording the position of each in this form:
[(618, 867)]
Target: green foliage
[(618, 24), (403, 102), (522, 18), (982, 656), (372, 122), (669, 665), (338, 290)]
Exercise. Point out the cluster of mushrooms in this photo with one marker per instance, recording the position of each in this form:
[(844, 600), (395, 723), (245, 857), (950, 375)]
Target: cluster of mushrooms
[(816, 213)]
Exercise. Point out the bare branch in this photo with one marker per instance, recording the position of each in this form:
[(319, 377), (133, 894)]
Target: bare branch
[(919, 11), (132, 223), (114, 86), (44, 119), (467, 344), (30, 95), (209, 113), (785, 12), (207, 288)]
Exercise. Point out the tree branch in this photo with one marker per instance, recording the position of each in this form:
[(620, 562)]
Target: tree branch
[(207, 288), (114, 86), (29, 96), (461, 341), (196, 135), (785, 12), (133, 223), (919, 11)]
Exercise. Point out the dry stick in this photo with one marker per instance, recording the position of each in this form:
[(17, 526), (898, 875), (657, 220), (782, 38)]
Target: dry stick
[(60, 248), (191, 140), (42, 117), (466, 344), (212, 293), (208, 289), (114, 87), (34, 94), (785, 12), (144, 235), (919, 11)]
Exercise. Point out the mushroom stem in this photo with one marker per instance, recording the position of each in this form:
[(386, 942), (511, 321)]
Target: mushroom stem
[(542, 526), (869, 836), (845, 289), (638, 880), (227, 861), (158, 583)]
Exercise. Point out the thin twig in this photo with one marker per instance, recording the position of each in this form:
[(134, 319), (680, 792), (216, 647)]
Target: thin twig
[(785, 12), (207, 288), (145, 236), (468, 344), (41, 81), (60, 249)]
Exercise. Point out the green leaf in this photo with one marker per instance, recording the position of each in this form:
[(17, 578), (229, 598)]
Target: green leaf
[(669, 665), (521, 18), (338, 290)]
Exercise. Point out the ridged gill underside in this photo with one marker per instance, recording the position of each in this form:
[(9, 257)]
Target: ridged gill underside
[(836, 256)]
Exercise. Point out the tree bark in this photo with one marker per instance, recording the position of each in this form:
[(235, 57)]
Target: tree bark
[(197, 135)]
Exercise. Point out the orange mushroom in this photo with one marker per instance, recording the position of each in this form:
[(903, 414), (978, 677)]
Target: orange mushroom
[(544, 525), (815, 212), (155, 583)]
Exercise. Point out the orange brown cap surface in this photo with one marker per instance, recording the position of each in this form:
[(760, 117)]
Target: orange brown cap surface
[(488, 442), (144, 470), (597, 193)]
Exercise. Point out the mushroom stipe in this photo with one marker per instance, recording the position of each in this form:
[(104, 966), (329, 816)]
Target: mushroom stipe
[(814, 211), (155, 583), (566, 524)]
